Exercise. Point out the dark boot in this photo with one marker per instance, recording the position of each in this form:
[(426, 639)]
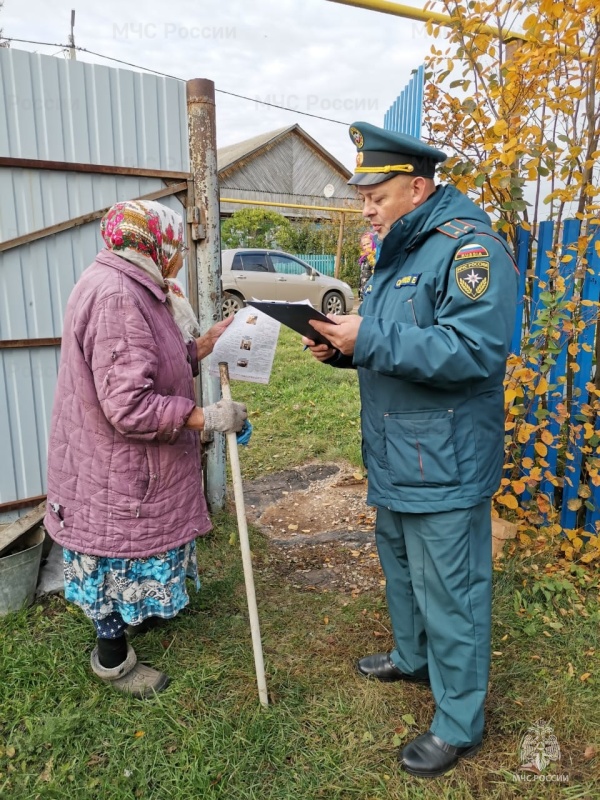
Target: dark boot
[(428, 756), (381, 667)]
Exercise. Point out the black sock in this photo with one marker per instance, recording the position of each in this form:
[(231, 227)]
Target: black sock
[(112, 652)]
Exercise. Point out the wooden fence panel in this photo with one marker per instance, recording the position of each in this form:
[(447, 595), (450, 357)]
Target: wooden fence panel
[(593, 256), (590, 295), (522, 255), (558, 373), (540, 278), (582, 371)]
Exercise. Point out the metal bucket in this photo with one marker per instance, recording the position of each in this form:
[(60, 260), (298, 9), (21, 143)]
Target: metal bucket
[(19, 572)]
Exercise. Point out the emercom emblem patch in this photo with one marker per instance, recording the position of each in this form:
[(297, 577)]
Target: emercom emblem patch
[(473, 279)]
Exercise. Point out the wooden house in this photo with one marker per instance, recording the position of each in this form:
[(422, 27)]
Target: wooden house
[(286, 165)]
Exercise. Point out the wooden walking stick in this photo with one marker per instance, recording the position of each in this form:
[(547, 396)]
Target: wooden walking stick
[(238, 494)]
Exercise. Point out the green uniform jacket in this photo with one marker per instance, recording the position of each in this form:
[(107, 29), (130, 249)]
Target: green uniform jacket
[(438, 316)]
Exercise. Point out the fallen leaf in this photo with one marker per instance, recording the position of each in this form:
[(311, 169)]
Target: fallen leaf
[(546, 633), (46, 773), (570, 669), (497, 653), (409, 719), (504, 638), (305, 530), (357, 476), (590, 752), (585, 676), (326, 620), (10, 752), (367, 737), (139, 734), (292, 527)]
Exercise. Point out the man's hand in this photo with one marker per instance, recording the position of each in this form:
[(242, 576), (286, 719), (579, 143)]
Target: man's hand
[(342, 336), (320, 351), (206, 343)]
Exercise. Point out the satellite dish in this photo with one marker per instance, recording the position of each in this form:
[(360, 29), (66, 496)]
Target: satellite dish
[(329, 190)]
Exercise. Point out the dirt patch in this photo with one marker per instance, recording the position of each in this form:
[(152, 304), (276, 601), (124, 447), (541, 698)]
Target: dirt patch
[(319, 527), (333, 501)]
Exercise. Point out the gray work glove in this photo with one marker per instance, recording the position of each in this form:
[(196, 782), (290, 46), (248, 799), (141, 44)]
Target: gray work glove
[(226, 416)]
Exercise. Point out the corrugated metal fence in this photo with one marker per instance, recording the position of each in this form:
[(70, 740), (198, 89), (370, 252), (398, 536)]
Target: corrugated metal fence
[(75, 138)]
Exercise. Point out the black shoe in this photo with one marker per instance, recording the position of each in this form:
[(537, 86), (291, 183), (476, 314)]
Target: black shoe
[(148, 624), (380, 666), (428, 756)]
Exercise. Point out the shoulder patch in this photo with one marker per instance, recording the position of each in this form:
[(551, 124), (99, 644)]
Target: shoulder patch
[(471, 251), (473, 279), (456, 228)]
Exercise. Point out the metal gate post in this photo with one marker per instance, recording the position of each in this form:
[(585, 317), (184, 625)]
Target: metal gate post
[(338, 255), (204, 219)]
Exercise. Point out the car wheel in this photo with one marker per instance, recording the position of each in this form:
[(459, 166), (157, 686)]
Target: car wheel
[(333, 303), (231, 304)]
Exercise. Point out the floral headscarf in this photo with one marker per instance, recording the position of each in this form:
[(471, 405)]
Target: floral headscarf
[(150, 235), (144, 227)]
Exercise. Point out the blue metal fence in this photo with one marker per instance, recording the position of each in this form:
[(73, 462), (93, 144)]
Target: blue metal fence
[(405, 113), (585, 292)]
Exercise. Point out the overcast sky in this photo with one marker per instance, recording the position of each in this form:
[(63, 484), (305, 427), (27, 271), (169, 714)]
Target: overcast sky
[(316, 56)]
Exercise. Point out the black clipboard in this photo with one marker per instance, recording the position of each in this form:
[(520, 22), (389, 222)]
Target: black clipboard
[(294, 316)]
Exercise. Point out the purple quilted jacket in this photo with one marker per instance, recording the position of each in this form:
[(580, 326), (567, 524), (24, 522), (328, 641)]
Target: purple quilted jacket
[(124, 475)]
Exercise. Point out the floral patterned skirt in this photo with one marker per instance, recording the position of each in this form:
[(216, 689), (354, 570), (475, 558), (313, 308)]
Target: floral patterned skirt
[(135, 588)]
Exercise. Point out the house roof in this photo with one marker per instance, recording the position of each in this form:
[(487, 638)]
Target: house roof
[(228, 157)]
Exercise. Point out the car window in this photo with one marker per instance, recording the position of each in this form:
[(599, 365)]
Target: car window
[(255, 262), (287, 265), (237, 262)]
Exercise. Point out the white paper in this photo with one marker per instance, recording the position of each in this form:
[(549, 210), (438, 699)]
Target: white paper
[(248, 346)]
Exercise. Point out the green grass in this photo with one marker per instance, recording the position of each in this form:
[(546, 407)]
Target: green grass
[(307, 411), (327, 733)]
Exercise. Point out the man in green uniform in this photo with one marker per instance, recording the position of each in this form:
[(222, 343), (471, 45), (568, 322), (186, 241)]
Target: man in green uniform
[(430, 347)]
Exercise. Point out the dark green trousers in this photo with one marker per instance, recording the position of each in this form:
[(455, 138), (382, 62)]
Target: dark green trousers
[(438, 570)]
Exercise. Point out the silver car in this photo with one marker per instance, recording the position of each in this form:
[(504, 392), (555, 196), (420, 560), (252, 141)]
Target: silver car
[(252, 273)]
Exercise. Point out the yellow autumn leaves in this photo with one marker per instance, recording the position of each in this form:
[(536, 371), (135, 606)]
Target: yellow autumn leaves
[(517, 111)]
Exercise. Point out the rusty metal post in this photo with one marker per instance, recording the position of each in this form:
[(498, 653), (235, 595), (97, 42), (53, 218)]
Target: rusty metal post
[(338, 255), (203, 217)]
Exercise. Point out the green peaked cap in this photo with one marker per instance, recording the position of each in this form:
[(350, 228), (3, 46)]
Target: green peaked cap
[(384, 154)]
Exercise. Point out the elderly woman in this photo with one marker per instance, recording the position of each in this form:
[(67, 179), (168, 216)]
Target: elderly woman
[(125, 496)]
